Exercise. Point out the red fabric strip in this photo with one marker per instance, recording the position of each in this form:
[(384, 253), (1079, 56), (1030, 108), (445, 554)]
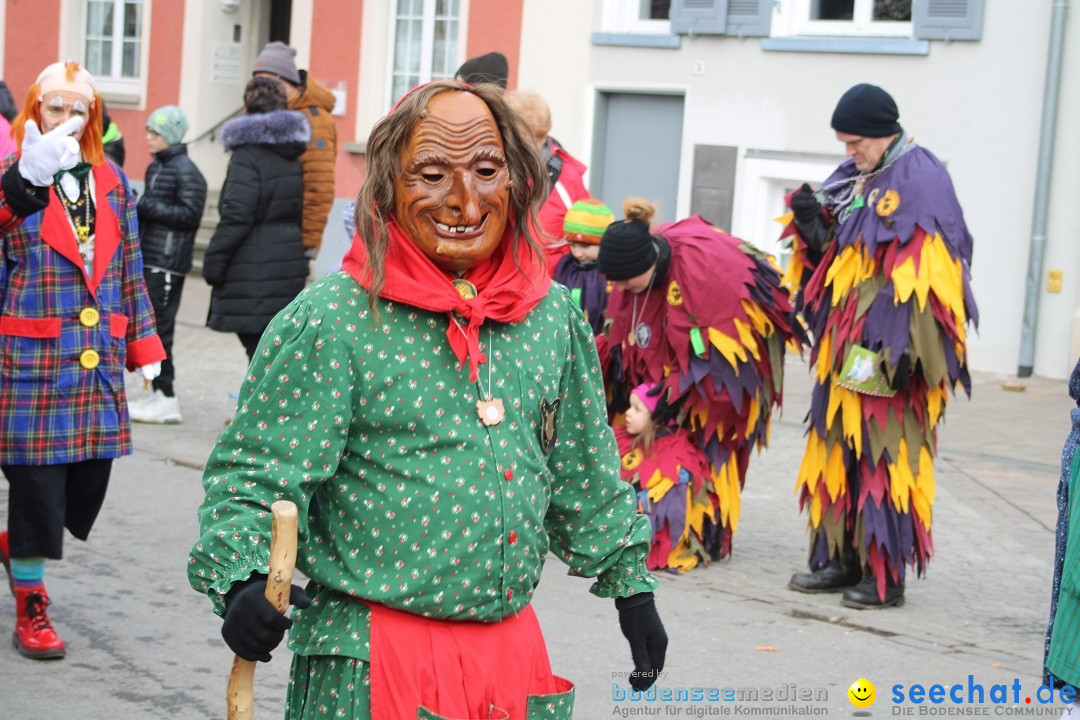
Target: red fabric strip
[(118, 325), (30, 327), (456, 669)]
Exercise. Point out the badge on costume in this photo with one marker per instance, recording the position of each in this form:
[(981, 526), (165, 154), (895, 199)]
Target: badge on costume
[(491, 411), (674, 294), (548, 431), (632, 459), (888, 203), (467, 291), (641, 336)]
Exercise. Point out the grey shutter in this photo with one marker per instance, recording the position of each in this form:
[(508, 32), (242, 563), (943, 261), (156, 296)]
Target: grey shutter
[(947, 19), (749, 18), (698, 17), (712, 187)]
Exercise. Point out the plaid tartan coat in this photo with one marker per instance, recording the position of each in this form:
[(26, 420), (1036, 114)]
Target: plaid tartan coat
[(53, 408)]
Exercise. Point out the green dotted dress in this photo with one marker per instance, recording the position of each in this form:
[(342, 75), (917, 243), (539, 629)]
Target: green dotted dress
[(406, 498)]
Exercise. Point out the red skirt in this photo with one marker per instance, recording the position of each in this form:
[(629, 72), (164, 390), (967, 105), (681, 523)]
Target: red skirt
[(428, 668)]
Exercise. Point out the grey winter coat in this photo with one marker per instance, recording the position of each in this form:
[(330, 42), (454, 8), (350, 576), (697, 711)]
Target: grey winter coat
[(170, 210), (255, 261)]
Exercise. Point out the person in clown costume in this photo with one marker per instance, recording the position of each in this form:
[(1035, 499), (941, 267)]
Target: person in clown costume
[(668, 473), (74, 313), (435, 411), (702, 315), (881, 258)]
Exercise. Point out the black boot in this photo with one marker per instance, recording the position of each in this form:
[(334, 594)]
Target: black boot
[(864, 596), (834, 577)]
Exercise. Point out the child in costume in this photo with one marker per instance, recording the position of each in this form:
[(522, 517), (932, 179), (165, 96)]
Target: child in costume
[(668, 472), (583, 227), (702, 314)]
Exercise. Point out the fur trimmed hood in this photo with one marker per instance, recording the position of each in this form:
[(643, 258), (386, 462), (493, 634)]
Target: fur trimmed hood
[(273, 128)]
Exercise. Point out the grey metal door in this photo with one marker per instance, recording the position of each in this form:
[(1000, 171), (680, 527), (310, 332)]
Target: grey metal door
[(637, 148)]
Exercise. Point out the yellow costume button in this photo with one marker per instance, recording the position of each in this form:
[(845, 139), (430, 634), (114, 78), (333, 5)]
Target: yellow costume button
[(89, 359), (89, 317)]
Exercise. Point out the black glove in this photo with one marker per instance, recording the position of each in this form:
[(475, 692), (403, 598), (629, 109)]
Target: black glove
[(805, 205), (901, 376), (641, 626), (253, 626), (809, 221)]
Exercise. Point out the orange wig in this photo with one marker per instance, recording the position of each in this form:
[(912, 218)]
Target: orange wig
[(89, 143)]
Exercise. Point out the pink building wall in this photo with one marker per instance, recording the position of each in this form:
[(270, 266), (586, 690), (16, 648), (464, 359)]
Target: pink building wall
[(166, 47), (31, 41), (495, 26), (335, 58)]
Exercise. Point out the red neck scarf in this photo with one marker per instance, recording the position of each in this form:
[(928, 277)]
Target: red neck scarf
[(504, 293)]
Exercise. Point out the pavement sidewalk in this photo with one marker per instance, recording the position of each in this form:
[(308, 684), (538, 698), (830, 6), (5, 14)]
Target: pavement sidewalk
[(143, 645)]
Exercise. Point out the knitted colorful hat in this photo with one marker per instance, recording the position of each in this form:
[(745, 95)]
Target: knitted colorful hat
[(642, 392), (586, 221)]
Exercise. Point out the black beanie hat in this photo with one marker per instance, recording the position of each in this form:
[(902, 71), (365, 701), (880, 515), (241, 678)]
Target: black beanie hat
[(489, 68), (626, 250), (866, 110)]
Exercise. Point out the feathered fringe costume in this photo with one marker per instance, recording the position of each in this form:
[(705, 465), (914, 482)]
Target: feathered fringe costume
[(670, 481), (895, 279), (712, 332)]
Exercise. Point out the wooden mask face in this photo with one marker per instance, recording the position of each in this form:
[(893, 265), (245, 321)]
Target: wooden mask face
[(453, 197)]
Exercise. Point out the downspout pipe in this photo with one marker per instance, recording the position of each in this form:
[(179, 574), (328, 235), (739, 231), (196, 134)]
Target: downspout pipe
[(1042, 189)]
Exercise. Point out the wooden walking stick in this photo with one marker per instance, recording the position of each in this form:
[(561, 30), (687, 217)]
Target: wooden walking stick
[(278, 586)]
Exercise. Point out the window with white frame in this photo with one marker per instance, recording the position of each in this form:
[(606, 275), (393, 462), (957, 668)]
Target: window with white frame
[(636, 16), (425, 44), (865, 18), (113, 39), (765, 179)]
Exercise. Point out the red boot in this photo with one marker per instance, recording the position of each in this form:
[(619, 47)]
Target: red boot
[(5, 560), (34, 635)]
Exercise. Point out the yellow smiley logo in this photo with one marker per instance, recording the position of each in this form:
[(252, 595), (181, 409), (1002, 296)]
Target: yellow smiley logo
[(862, 693)]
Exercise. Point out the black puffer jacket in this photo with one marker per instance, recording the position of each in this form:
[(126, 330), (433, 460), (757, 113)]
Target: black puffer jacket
[(255, 261), (170, 210)]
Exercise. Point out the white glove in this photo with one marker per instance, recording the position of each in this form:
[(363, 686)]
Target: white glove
[(45, 155), (151, 371)]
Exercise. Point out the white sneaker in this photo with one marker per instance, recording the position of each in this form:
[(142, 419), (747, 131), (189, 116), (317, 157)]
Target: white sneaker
[(139, 401), (157, 409)]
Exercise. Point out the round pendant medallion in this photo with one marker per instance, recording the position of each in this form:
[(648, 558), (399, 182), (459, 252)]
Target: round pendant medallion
[(643, 335)]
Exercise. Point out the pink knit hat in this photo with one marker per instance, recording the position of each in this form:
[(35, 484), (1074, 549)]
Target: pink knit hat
[(650, 401)]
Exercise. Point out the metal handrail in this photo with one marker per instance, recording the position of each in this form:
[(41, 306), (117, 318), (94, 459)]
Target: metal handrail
[(213, 128)]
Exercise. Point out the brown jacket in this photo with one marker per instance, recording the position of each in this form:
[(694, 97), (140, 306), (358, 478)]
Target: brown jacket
[(316, 102)]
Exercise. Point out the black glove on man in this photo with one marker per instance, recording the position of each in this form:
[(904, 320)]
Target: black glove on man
[(807, 210), (805, 204), (641, 626), (253, 626)]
